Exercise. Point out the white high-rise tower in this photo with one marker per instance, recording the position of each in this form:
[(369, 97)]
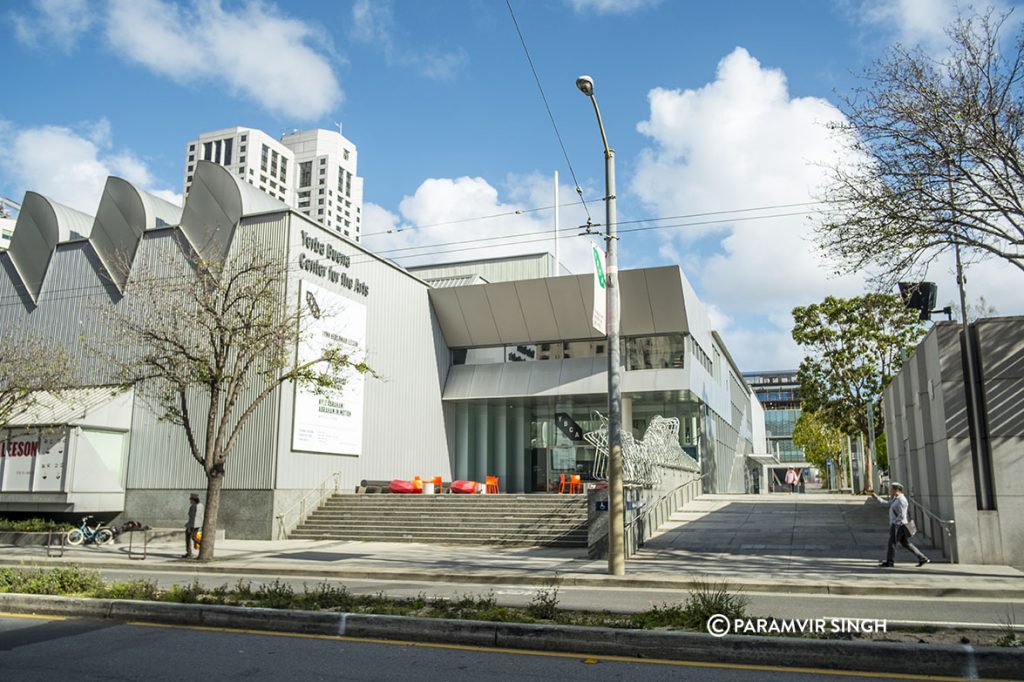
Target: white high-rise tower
[(313, 171)]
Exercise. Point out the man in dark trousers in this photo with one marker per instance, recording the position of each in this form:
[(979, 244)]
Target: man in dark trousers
[(194, 521), (898, 532)]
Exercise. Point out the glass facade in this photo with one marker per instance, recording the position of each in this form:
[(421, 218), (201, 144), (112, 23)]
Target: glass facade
[(779, 394), (642, 352), (530, 443)]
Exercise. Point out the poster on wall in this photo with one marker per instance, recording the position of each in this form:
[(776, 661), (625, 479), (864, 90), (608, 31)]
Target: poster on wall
[(330, 422), (18, 454), (48, 474)]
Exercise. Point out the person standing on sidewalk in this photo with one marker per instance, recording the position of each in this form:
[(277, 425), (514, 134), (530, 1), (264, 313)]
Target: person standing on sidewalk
[(898, 531), (193, 522)]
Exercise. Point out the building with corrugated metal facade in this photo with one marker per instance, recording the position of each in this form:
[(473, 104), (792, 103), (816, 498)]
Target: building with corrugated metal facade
[(475, 376)]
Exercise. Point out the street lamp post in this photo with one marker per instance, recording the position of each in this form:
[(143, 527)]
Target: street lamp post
[(616, 516)]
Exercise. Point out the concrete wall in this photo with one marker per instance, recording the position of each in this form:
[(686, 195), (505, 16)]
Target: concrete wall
[(244, 514), (929, 444)]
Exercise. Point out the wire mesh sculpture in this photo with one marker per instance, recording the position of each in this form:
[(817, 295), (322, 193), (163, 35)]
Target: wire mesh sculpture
[(642, 458)]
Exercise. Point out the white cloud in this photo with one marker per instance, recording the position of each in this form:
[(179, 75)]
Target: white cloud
[(454, 219), (70, 167), (277, 61), (53, 22), (920, 22), (742, 142), (610, 6), (373, 23)]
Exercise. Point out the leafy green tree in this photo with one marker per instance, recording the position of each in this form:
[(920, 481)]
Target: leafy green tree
[(852, 350), (882, 452), (819, 440)]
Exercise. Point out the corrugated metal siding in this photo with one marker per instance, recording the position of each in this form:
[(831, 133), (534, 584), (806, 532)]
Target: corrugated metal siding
[(403, 425), (532, 266), (160, 456)]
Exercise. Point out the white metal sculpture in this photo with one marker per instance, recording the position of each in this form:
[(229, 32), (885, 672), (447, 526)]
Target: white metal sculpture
[(641, 458)]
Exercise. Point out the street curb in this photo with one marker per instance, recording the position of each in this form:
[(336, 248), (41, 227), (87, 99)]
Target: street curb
[(540, 578), (875, 657)]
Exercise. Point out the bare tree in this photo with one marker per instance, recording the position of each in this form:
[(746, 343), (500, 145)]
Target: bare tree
[(28, 367), (213, 342), (938, 156)]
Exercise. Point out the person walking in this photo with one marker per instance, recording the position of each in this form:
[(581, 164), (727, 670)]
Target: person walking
[(898, 531), (791, 479), (192, 523)]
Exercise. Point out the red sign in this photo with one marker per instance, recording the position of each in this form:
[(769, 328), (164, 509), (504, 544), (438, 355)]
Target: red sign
[(23, 448)]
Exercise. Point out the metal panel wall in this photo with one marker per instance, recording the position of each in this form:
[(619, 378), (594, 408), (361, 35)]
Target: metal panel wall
[(403, 423), (159, 453)]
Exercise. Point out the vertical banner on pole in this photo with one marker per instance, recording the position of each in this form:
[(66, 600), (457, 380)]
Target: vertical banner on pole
[(600, 291)]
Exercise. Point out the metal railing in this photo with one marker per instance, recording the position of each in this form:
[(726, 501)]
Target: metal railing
[(947, 525), (641, 518), (303, 508)]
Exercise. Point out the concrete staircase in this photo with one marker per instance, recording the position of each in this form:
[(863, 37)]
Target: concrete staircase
[(510, 520)]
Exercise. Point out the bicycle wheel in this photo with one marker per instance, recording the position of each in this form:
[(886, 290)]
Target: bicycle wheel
[(103, 536), (75, 536)]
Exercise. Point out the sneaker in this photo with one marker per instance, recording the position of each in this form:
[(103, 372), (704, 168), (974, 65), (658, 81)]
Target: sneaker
[(886, 564), (185, 556), (922, 561)]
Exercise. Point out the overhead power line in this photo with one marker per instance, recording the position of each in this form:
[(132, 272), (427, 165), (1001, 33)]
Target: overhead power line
[(533, 69)]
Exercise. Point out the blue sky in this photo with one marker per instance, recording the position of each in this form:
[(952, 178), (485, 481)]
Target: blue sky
[(711, 108)]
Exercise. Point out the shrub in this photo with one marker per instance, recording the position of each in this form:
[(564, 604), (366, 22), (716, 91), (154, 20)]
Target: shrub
[(30, 525), (544, 605), (61, 580), (185, 594), (704, 601), (275, 595), (144, 590)]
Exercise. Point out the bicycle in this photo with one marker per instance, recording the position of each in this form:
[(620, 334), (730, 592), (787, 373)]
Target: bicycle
[(84, 534)]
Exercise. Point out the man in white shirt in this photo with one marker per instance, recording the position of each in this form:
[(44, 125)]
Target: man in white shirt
[(898, 531)]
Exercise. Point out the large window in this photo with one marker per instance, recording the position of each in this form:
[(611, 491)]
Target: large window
[(642, 352), (305, 174)]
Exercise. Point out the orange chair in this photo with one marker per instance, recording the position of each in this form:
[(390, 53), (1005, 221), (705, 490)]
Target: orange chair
[(563, 483), (492, 485), (437, 485), (575, 484), (417, 484)]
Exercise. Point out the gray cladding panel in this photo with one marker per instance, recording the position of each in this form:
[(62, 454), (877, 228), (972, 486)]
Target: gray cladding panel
[(120, 221), (508, 315), (483, 330), (536, 306), (212, 209), (449, 315), (668, 305), (636, 300), (568, 306)]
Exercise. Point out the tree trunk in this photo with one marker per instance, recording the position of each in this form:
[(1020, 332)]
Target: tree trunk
[(869, 465), (214, 482)]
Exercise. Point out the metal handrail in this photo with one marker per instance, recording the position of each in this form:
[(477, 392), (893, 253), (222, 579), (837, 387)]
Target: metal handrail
[(320, 492), (648, 508), (947, 525)]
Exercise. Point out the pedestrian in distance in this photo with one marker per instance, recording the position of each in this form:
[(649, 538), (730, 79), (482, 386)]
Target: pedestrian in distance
[(791, 479), (192, 523), (899, 533)]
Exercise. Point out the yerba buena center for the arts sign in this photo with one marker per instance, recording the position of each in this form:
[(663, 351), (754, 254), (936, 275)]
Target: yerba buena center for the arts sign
[(331, 421)]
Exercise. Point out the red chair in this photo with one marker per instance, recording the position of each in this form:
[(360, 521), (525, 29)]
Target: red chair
[(575, 484), (492, 485), (563, 483)]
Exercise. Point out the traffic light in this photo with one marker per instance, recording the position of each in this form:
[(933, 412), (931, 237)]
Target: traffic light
[(920, 296)]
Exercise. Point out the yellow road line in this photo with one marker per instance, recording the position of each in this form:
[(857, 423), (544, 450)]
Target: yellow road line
[(558, 654), (30, 616)]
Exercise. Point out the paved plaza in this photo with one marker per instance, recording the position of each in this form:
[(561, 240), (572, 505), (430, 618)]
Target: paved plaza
[(811, 543)]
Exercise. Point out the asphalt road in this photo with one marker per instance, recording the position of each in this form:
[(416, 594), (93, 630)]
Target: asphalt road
[(950, 612), (45, 649)]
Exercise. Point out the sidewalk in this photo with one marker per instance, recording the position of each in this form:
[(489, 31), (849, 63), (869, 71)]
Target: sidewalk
[(822, 544)]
